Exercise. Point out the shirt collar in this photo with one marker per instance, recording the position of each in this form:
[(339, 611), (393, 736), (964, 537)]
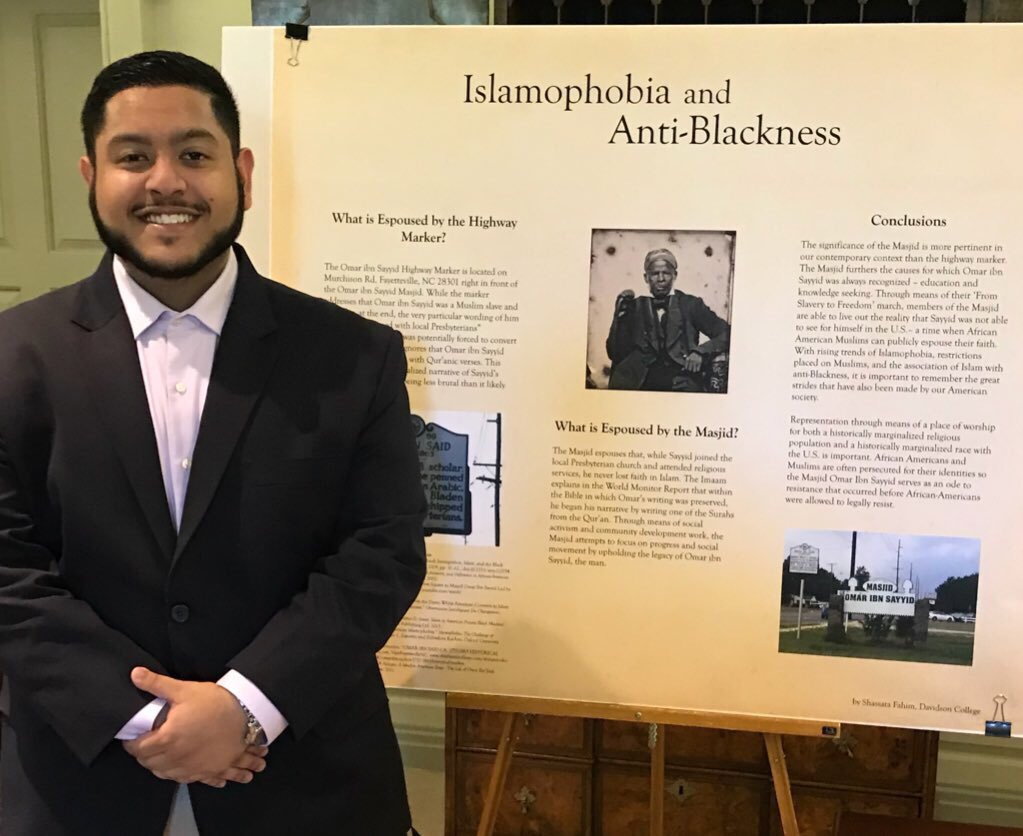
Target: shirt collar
[(144, 309)]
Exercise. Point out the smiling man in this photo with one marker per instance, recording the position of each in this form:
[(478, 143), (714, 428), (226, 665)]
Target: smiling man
[(210, 510)]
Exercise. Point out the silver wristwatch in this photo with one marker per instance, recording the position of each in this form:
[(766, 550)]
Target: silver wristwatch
[(254, 734)]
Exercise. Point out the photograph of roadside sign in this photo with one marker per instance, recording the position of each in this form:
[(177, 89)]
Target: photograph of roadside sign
[(804, 559), (460, 466), (900, 597)]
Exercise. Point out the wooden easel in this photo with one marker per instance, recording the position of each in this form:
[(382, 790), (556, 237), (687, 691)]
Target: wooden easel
[(515, 709)]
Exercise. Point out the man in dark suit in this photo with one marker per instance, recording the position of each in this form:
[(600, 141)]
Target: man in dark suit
[(210, 509), (654, 341)]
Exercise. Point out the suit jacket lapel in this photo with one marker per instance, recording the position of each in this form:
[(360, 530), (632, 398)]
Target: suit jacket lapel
[(676, 324), (110, 364), (245, 355)]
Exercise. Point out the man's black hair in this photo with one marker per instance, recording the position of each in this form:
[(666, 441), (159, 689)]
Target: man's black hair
[(159, 69)]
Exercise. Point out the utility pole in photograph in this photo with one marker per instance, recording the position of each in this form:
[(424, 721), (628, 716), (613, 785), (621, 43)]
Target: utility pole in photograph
[(495, 479)]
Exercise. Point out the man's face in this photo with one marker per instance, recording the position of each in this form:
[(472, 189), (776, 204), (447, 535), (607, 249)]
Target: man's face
[(660, 276), (165, 192)]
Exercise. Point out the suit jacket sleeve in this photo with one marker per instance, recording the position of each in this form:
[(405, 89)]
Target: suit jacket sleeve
[(713, 326), (620, 338), (49, 638), (325, 640)]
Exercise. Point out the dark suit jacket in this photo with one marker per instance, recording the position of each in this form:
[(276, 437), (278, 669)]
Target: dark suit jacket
[(634, 344), (299, 551)]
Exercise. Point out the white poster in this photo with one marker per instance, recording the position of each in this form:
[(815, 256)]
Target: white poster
[(730, 292)]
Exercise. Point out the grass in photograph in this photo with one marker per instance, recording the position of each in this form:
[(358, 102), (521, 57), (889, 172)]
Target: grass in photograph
[(944, 648)]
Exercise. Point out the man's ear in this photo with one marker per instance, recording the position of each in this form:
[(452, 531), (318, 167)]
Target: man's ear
[(87, 170), (245, 163)]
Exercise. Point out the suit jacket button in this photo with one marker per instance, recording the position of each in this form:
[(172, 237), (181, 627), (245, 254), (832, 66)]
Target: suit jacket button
[(180, 613)]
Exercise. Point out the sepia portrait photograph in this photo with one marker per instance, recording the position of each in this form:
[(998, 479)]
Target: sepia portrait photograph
[(660, 310)]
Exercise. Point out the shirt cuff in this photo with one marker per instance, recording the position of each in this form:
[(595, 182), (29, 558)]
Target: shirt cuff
[(142, 722), (254, 700)]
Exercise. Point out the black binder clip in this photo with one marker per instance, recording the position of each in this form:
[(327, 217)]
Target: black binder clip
[(296, 33), (998, 726)]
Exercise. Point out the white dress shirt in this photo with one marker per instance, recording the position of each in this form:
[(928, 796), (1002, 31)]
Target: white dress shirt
[(176, 352)]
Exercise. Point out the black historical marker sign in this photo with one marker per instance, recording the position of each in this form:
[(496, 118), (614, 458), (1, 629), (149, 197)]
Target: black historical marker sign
[(444, 466)]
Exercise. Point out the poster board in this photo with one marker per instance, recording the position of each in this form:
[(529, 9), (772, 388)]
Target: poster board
[(845, 201)]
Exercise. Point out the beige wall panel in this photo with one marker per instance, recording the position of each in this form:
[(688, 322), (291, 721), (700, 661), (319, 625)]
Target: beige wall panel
[(122, 28), (49, 51), (980, 780), (249, 70), (192, 26), (67, 58), (9, 296), (3, 134), (18, 162)]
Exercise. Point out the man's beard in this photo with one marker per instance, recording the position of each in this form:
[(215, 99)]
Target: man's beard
[(119, 245)]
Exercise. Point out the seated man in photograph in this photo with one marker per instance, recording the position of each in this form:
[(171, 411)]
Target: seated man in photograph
[(654, 343)]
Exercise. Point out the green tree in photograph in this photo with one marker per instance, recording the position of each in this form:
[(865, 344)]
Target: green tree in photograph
[(820, 586), (958, 594)]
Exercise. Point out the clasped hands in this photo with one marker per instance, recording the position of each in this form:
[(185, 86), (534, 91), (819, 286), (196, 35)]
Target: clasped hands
[(200, 735)]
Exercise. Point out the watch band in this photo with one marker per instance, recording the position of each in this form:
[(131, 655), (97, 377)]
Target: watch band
[(254, 734)]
